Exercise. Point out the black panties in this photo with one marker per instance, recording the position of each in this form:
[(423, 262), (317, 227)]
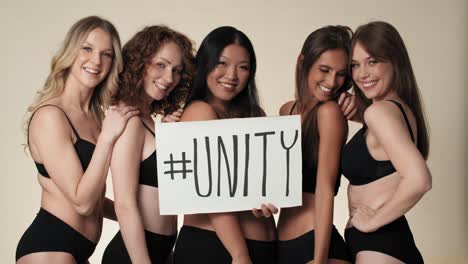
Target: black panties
[(301, 249), (196, 245), (394, 239), (159, 248), (47, 233)]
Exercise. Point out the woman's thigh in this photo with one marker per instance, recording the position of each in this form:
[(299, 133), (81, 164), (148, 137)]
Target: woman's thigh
[(47, 258), (372, 257)]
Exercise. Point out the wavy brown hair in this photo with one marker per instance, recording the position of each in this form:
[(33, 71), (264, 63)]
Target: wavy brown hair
[(137, 54), (383, 42)]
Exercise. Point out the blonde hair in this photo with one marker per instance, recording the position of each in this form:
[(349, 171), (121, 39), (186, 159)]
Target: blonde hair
[(65, 57)]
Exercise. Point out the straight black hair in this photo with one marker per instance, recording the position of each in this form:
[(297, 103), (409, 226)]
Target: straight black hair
[(246, 102)]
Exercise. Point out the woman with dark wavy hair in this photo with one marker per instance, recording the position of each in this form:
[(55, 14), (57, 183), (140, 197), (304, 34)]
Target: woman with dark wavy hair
[(306, 233), (385, 160), (158, 65), (224, 87)]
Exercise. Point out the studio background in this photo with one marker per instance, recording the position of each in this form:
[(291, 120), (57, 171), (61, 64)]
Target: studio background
[(434, 32)]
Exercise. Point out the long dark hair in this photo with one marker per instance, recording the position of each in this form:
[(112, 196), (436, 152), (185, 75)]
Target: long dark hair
[(383, 42), (318, 42), (137, 54), (246, 102)]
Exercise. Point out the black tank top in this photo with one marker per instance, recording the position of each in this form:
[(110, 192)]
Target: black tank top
[(359, 167), (309, 170), (148, 167), (84, 149)]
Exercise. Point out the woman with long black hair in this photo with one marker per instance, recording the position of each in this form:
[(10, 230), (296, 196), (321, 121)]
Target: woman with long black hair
[(224, 87)]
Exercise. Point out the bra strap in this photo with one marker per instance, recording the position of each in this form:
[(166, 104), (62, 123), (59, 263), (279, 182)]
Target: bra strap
[(147, 127), (292, 108), (406, 118), (69, 121)]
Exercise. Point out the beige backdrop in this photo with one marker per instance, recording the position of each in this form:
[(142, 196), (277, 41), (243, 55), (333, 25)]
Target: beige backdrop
[(434, 31)]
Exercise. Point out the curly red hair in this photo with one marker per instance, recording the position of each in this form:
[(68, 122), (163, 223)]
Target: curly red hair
[(137, 54)]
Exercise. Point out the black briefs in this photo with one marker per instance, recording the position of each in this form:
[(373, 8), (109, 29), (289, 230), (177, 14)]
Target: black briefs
[(48, 233), (301, 249), (394, 239), (159, 248), (196, 245)]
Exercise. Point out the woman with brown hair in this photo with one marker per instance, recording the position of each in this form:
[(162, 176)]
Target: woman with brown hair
[(385, 160), (71, 143), (158, 65), (306, 233)]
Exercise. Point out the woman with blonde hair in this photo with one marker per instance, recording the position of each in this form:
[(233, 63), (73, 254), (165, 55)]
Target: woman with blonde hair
[(71, 143)]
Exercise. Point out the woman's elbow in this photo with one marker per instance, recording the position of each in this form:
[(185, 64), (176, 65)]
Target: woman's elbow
[(123, 207), (85, 209), (424, 186)]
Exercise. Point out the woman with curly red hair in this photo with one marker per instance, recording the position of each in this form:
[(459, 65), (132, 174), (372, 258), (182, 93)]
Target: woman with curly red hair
[(158, 65)]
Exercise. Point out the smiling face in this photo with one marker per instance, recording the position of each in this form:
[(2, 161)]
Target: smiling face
[(327, 74), (230, 76), (94, 59), (164, 71), (373, 77)]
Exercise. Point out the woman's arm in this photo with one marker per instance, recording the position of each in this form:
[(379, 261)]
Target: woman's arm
[(51, 133), (125, 166), (226, 225), (228, 230), (332, 131), (387, 124)]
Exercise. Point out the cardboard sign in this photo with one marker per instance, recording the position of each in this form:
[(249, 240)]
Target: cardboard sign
[(229, 165)]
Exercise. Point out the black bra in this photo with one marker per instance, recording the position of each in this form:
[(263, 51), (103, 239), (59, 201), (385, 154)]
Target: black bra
[(84, 149), (357, 164), (148, 167), (309, 170)]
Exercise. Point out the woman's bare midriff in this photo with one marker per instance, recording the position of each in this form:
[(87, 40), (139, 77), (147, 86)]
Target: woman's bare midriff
[(148, 203), (296, 221), (374, 194), (54, 202)]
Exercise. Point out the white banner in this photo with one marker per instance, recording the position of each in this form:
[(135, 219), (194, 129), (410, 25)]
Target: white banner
[(229, 165)]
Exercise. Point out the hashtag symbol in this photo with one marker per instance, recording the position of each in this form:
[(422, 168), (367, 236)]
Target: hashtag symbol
[(183, 161)]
